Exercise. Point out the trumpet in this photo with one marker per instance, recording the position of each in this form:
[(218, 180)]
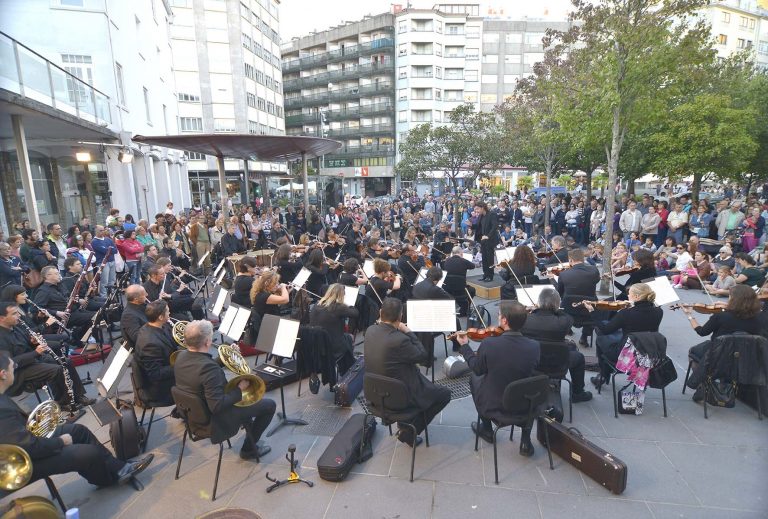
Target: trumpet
[(233, 360)]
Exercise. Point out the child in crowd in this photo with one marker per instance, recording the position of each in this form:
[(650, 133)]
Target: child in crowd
[(722, 284), (662, 264), (649, 245), (633, 241), (619, 256)]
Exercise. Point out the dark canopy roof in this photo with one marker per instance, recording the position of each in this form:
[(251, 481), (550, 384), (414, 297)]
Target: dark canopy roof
[(245, 146)]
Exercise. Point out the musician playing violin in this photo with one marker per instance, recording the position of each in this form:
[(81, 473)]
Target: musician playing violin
[(383, 282), (498, 362), (643, 316), (560, 252), (647, 270), (577, 284)]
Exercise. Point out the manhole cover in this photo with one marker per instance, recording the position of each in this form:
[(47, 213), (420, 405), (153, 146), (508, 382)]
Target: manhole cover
[(459, 386), (230, 513), (323, 420)]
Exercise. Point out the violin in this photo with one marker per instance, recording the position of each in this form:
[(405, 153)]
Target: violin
[(605, 305), (545, 254), (701, 308), (390, 277), (626, 270), (478, 334), (557, 269)]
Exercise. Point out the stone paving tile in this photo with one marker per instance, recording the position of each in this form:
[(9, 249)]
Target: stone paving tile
[(466, 502), (557, 506), (667, 511), (376, 497)]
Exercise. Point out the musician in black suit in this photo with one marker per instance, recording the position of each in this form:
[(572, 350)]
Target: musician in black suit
[(230, 244), (428, 289), (560, 249), (241, 290), (487, 229), (150, 256), (182, 298), (578, 283), (456, 266), (50, 296), (198, 374), (409, 264), (393, 350), (498, 362), (34, 363), (133, 317), (644, 259), (154, 345), (72, 270), (71, 448)]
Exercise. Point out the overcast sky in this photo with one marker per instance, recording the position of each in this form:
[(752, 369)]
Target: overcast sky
[(300, 17)]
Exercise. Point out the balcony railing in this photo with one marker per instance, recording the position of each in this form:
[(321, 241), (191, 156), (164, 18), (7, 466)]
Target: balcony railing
[(30, 75), (338, 94), (362, 130), (352, 72), (373, 150), (349, 52)]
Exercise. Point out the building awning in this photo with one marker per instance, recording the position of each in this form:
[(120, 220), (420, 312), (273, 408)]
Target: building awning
[(245, 146)]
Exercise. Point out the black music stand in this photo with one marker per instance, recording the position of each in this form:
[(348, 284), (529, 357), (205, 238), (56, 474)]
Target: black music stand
[(278, 336), (233, 323)]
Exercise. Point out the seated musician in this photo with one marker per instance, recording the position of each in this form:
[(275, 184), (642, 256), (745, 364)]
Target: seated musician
[(742, 314), (374, 250), (352, 240), (522, 266), (578, 283), (319, 273), (197, 373), (182, 298), (443, 244), (278, 231), (428, 289), (352, 276), (286, 266), (35, 364), (267, 294), (51, 296), (549, 323), (73, 268), (154, 345), (560, 252), (38, 322), (246, 273), (644, 259), (71, 448), (170, 251), (134, 316), (498, 362), (150, 256), (334, 244), (642, 316), (409, 264), (393, 350), (383, 282), (330, 314), (456, 281)]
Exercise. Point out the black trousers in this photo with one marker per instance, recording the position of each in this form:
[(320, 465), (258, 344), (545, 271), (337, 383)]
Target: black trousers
[(486, 249), (442, 399), (79, 322), (47, 371), (86, 456), (255, 420), (576, 368), (185, 303)]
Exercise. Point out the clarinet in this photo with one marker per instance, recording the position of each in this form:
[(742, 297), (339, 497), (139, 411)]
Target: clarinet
[(47, 314), (96, 277), (73, 297), (41, 341)]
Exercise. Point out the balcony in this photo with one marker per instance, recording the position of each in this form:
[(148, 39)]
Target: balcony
[(373, 129), (353, 72), (295, 120), (307, 100), (349, 52), (25, 72), (373, 150)]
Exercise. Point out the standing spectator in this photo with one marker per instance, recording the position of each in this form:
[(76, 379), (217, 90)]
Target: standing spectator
[(650, 224), (201, 241), (596, 221), (676, 221), (102, 245), (699, 222), (728, 221), (58, 245), (663, 228), (131, 250), (630, 220)]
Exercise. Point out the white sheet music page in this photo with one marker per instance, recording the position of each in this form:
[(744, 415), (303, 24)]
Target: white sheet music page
[(530, 296), (505, 254), (665, 294), (350, 295), (436, 315), (301, 278), (467, 256), (228, 319), (221, 276), (239, 324), (287, 331), (220, 299), (218, 268), (200, 262), (118, 361), (368, 268)]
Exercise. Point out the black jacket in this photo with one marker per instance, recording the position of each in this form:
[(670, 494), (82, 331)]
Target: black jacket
[(725, 323), (499, 361), (154, 347), (14, 432), (426, 289), (197, 373), (231, 245), (16, 343), (51, 298), (560, 256), (547, 325), (580, 280), (488, 225), (241, 290), (331, 318), (643, 317), (131, 321), (456, 267), (7, 273)]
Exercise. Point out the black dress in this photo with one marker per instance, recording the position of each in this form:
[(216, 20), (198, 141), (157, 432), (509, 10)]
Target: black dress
[(261, 306), (241, 294), (331, 318)]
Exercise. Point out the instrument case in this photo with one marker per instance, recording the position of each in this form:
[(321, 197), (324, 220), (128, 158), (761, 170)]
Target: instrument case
[(344, 450), (350, 384), (569, 444)]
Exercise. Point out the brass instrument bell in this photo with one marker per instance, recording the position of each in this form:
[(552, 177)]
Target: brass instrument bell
[(233, 360), (178, 332), (44, 419), (15, 467)]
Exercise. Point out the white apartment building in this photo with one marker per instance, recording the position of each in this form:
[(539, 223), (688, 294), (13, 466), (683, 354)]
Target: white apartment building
[(98, 71), (226, 59), (438, 63), (739, 25)]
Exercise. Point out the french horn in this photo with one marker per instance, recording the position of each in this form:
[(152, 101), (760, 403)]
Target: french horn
[(15, 467), (178, 332), (44, 419), (233, 360)]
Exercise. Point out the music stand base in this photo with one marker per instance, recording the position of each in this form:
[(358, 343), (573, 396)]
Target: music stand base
[(284, 420)]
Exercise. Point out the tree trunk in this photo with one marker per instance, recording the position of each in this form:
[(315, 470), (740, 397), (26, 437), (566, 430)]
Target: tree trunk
[(630, 188), (695, 188), (589, 184), (610, 201), (456, 219), (547, 206)]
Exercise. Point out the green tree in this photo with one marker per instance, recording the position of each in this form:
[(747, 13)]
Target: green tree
[(705, 136), (525, 183)]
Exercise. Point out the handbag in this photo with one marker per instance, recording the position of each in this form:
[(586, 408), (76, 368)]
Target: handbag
[(720, 393), (627, 400), (662, 374)]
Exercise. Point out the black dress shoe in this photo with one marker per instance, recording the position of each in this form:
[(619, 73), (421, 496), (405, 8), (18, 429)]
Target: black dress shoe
[(526, 447), (133, 468), (484, 433), (583, 396), (597, 380), (406, 436), (85, 401), (314, 384), (257, 453)]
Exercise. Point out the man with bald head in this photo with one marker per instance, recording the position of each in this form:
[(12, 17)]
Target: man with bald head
[(134, 316)]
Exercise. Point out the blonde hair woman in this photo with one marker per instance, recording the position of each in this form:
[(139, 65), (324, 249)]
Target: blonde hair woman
[(330, 314), (267, 294)]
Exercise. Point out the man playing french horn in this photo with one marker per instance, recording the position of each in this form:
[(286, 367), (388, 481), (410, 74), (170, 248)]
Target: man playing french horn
[(36, 363), (154, 345), (198, 374), (67, 448)]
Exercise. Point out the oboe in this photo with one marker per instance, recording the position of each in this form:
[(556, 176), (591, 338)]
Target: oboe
[(41, 341)]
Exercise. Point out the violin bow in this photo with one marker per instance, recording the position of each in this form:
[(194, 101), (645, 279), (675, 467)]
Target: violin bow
[(712, 301), (479, 315)]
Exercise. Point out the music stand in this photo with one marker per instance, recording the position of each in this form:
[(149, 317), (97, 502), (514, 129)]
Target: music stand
[(219, 267), (216, 303), (278, 336), (437, 315), (234, 322)]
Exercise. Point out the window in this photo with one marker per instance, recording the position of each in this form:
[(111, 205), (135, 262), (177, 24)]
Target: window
[(490, 58), (439, 72), (271, 107), (402, 94), (454, 28), (165, 119), (402, 27), (438, 49), (253, 127), (120, 83), (488, 79), (402, 49), (472, 53), (81, 67), (473, 31), (743, 21), (722, 39), (470, 75), (514, 37), (512, 58), (260, 77), (188, 98), (762, 47), (470, 97), (402, 116), (402, 72), (454, 95), (751, 23), (421, 116), (190, 124), (193, 155), (438, 94), (749, 44), (224, 125), (452, 51), (261, 103), (491, 37), (146, 105), (741, 43), (454, 73), (488, 98), (725, 17), (249, 71), (438, 117), (250, 99)]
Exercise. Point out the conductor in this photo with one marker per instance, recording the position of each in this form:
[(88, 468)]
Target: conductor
[(487, 228)]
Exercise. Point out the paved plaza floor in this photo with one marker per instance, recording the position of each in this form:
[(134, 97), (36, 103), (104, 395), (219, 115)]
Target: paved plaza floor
[(679, 466)]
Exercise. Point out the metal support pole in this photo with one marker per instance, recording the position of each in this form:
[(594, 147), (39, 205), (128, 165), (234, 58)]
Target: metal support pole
[(304, 178), (247, 186), (25, 169), (222, 183)]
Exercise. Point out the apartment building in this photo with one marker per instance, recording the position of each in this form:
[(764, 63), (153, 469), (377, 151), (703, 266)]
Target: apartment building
[(738, 26), (339, 84), (226, 59)]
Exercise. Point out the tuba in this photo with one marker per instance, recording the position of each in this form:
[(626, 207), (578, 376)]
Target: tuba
[(233, 360), (178, 331), (15, 467)]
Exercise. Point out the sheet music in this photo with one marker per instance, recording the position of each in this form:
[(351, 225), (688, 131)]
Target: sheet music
[(468, 257), (350, 295), (504, 254), (665, 294), (113, 372), (239, 324), (368, 268), (436, 315), (221, 276), (200, 263), (228, 319), (221, 298), (530, 296), (218, 268), (285, 342), (423, 275), (301, 278)]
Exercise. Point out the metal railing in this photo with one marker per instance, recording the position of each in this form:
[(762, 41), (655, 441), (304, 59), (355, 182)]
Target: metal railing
[(29, 74), (348, 52)]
